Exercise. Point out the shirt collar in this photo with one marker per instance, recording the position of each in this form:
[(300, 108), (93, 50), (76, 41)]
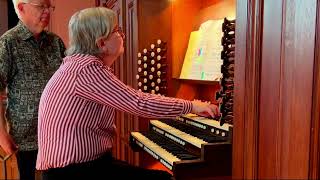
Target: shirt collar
[(88, 57), (24, 33)]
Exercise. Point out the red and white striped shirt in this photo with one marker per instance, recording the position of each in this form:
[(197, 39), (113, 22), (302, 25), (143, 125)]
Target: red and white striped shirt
[(77, 108)]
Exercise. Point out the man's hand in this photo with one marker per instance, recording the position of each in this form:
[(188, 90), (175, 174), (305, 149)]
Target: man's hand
[(205, 109), (7, 143)]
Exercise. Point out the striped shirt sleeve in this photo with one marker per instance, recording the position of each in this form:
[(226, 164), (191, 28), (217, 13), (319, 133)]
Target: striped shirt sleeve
[(96, 83)]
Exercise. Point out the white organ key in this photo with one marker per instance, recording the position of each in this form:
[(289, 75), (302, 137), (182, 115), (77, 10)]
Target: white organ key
[(155, 148), (176, 132)]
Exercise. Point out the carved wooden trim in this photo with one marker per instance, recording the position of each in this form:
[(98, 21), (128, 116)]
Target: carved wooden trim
[(110, 3), (247, 83), (132, 42), (315, 139), (97, 3)]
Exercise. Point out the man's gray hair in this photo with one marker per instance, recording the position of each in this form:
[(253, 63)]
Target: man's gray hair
[(86, 26), (15, 5)]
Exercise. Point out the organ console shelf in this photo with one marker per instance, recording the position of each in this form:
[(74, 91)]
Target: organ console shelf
[(190, 146), (197, 82)]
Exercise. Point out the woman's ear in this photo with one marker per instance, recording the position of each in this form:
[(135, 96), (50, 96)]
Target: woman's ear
[(100, 42)]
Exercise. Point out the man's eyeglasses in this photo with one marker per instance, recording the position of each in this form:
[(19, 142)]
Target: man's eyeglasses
[(41, 6)]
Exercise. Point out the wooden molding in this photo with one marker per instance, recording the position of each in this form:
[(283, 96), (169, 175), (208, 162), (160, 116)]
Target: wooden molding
[(247, 83), (97, 3), (315, 124), (111, 3)]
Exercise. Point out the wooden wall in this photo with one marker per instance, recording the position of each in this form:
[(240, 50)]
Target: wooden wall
[(277, 90), (9, 168), (286, 88), (62, 14), (3, 16)]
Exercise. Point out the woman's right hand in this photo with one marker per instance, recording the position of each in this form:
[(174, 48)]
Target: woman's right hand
[(205, 109), (7, 143)]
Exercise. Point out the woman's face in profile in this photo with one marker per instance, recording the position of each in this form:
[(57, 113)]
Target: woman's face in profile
[(115, 42)]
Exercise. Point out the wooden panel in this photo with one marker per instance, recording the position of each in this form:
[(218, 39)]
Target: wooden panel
[(9, 168), (286, 90), (118, 67), (270, 86), (207, 3), (247, 83), (131, 122), (182, 25), (131, 40), (239, 91), (297, 64), (155, 21), (219, 10), (315, 140), (62, 14), (3, 16)]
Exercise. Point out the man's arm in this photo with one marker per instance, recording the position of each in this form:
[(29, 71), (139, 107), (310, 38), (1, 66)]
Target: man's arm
[(6, 141), (3, 122)]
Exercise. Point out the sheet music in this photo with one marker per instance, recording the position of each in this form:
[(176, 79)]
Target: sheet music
[(203, 57)]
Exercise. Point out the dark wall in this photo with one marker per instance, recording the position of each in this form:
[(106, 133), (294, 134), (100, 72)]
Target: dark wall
[(12, 16)]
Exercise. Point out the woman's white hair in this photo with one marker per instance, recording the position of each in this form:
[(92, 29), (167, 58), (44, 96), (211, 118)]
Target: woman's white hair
[(15, 5), (86, 26)]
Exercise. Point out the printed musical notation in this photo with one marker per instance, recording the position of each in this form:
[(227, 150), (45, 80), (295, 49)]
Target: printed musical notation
[(203, 56)]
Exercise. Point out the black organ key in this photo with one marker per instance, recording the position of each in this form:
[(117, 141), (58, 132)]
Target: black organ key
[(172, 148)]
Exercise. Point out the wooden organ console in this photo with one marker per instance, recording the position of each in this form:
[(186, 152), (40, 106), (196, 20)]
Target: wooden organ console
[(192, 147)]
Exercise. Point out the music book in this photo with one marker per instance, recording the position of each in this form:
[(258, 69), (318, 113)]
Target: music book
[(203, 56)]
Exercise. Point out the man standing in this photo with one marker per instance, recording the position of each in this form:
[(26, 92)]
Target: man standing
[(29, 56)]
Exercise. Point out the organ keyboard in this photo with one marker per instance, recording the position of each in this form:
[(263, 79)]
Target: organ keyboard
[(192, 147)]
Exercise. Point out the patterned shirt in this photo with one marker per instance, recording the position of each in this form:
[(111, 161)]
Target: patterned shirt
[(77, 108), (26, 65)]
